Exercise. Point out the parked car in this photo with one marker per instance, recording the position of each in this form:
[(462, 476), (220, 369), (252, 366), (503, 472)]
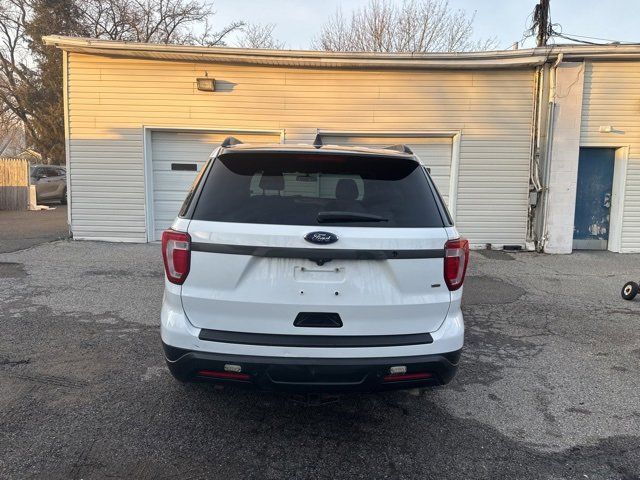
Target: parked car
[(313, 269), (50, 182)]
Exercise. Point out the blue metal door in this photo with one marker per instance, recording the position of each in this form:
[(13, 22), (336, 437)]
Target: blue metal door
[(593, 198)]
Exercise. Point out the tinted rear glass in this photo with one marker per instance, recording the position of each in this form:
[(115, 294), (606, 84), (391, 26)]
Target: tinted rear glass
[(317, 189)]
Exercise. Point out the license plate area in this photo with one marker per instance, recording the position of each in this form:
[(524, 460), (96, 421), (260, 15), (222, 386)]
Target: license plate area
[(306, 274)]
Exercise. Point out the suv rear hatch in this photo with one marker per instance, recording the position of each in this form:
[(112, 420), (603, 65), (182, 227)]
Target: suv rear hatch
[(316, 243)]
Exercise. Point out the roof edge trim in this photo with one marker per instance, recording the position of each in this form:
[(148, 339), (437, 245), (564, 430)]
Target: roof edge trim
[(308, 58)]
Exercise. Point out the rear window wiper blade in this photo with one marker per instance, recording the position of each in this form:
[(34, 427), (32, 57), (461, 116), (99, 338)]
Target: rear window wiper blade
[(324, 217)]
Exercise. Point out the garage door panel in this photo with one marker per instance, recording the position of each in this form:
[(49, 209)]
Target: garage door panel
[(169, 180), (169, 198), (439, 171), (170, 187)]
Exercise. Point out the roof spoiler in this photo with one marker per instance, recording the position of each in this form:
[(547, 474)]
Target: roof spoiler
[(317, 142), (399, 148), (230, 142)]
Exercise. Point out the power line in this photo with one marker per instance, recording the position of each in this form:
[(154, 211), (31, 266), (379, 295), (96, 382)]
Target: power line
[(540, 24), (541, 20), (566, 37), (544, 30), (598, 38)]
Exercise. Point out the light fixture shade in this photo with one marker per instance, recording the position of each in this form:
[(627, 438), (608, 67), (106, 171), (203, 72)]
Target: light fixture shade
[(206, 84)]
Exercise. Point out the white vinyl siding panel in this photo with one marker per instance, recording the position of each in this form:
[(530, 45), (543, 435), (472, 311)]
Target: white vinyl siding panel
[(107, 182), (612, 98), (112, 99)]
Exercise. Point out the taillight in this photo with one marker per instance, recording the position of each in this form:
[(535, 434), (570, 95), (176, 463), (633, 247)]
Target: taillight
[(176, 252), (456, 257)]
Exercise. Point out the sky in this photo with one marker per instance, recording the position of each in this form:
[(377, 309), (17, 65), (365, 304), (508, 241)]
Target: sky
[(298, 21)]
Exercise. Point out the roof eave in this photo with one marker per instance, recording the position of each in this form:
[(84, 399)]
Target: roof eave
[(297, 58), (316, 59)]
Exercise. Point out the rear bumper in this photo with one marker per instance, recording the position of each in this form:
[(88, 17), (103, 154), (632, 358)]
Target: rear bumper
[(314, 375)]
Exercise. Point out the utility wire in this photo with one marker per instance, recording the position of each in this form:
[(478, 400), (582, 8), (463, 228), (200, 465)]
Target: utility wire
[(566, 37), (598, 38), (546, 31)]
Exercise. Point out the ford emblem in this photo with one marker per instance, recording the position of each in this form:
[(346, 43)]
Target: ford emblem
[(322, 238)]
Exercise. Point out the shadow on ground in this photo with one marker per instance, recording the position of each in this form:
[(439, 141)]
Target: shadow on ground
[(98, 403), (85, 393)]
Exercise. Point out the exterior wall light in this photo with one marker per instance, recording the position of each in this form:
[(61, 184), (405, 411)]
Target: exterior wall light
[(206, 84)]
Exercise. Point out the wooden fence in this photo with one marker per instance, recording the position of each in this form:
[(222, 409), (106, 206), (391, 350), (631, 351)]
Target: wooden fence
[(14, 184)]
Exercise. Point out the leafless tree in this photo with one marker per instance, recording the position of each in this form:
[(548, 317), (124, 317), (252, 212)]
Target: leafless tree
[(31, 72), (412, 26), (255, 35), (12, 138), (155, 21), (16, 75)]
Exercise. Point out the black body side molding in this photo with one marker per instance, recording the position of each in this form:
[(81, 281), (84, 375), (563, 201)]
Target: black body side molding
[(315, 254)]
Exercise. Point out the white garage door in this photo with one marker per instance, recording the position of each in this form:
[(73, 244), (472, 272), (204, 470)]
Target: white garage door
[(435, 153), (176, 158)]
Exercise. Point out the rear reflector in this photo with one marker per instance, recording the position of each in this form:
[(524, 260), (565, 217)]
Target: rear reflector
[(456, 258), (176, 253), (225, 375), (406, 376)]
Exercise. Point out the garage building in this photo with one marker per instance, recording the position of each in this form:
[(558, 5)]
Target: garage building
[(503, 132)]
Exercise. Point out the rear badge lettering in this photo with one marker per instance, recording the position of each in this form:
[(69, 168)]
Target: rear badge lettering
[(322, 238)]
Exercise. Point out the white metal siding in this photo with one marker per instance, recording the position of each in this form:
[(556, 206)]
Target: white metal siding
[(107, 185), (170, 186), (111, 99), (612, 98)]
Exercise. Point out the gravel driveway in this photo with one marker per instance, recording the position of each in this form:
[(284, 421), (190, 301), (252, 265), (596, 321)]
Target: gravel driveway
[(548, 387)]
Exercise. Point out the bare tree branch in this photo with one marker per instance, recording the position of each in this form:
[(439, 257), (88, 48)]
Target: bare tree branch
[(255, 35), (413, 26), (31, 73), (218, 38), (154, 21)]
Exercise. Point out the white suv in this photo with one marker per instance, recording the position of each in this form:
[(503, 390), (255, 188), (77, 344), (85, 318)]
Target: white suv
[(312, 268)]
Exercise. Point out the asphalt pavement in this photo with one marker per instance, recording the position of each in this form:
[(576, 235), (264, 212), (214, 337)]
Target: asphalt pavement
[(547, 388), (26, 228)]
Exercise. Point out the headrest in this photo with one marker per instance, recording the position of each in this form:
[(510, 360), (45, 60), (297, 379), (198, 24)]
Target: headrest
[(272, 182), (346, 189)]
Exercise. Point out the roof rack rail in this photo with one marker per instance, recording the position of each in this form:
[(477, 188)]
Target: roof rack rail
[(317, 142), (399, 148), (230, 142)]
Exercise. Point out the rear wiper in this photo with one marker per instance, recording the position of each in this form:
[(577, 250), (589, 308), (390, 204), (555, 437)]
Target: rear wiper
[(324, 217)]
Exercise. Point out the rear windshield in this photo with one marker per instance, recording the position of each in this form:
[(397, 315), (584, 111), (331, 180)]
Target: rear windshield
[(317, 189)]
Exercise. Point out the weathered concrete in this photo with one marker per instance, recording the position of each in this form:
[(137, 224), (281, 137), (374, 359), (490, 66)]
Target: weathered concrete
[(548, 387), (565, 149)]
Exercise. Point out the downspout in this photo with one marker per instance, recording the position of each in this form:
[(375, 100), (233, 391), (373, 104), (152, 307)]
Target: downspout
[(548, 152), (67, 142), (534, 181)]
